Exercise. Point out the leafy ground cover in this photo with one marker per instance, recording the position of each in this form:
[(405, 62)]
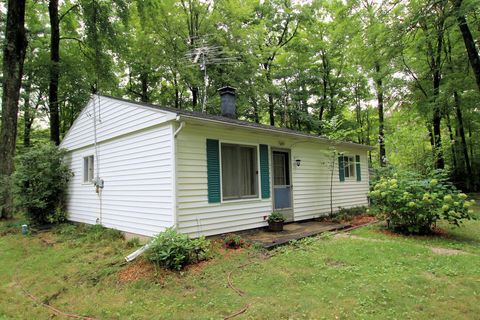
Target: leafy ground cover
[(367, 274)]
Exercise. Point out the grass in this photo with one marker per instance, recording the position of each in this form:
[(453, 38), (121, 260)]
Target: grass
[(372, 275)]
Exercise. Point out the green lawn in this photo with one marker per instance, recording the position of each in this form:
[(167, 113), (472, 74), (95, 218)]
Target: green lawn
[(370, 275)]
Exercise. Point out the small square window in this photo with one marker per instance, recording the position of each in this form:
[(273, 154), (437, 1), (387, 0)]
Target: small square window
[(88, 169)]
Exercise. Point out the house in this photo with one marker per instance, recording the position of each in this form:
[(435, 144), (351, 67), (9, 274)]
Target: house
[(141, 168)]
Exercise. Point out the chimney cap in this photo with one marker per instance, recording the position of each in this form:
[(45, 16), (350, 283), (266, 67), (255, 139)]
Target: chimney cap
[(226, 90)]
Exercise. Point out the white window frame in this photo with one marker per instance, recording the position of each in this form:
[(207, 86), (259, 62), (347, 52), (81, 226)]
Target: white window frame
[(258, 189), (88, 169), (349, 163)]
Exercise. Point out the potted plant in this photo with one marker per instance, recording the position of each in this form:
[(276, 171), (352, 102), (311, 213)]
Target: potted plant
[(275, 221)]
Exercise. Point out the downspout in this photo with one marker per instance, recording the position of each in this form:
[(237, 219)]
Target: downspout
[(144, 248), (174, 164), (182, 125), (98, 183)]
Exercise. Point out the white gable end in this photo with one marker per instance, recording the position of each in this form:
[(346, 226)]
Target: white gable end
[(114, 118)]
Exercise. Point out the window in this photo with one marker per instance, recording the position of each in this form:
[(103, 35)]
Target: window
[(281, 175), (239, 172), (349, 165), (88, 169)]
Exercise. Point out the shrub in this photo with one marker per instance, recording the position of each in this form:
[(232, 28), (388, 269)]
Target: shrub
[(413, 204), (173, 250), (276, 216), (97, 233), (134, 243), (40, 184), (346, 213), (86, 233), (5, 187), (233, 241)]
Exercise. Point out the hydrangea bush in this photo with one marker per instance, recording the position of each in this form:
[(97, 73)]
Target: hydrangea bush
[(413, 204)]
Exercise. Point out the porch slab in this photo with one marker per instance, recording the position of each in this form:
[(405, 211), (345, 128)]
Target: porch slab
[(291, 231)]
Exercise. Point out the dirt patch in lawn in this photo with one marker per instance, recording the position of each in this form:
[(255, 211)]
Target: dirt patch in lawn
[(136, 270), (47, 239), (435, 233), (360, 220), (447, 252), (355, 237), (336, 264)]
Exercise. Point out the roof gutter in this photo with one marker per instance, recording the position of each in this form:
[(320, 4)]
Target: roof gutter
[(328, 141)]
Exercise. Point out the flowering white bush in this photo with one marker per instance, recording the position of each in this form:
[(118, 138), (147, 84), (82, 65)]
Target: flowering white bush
[(413, 204)]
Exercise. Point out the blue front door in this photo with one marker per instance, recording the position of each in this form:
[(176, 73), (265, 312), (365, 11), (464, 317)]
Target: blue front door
[(282, 188)]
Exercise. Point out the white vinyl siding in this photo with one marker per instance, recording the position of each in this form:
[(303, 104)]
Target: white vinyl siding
[(114, 118), (195, 216), (310, 182), (154, 181), (137, 168)]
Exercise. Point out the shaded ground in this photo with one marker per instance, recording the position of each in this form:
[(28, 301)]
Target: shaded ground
[(393, 277)]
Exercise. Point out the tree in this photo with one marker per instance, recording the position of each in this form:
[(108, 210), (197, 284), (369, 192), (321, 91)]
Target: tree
[(279, 23), (377, 52), (472, 52), (54, 71), (13, 59)]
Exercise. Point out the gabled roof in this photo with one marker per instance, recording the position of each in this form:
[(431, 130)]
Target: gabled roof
[(240, 123)]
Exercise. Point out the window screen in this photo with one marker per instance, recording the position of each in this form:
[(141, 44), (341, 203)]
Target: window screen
[(349, 163), (88, 169), (239, 172)]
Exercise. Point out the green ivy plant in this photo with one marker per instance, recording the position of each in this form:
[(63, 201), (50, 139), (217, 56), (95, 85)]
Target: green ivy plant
[(413, 204)]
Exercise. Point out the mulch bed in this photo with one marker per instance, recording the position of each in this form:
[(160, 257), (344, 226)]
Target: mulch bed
[(141, 268), (436, 232), (136, 270), (360, 220)]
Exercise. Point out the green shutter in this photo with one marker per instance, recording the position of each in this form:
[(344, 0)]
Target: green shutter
[(264, 171), (341, 169), (213, 171), (358, 169)]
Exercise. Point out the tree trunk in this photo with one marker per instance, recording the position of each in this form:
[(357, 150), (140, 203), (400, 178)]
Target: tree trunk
[(461, 130), (13, 58), (27, 116), (194, 96), (255, 109), (437, 118), (271, 112), (452, 143), (271, 103), (358, 112), (381, 125), (368, 134), (144, 82), (54, 71), (468, 40), (177, 93), (440, 162)]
